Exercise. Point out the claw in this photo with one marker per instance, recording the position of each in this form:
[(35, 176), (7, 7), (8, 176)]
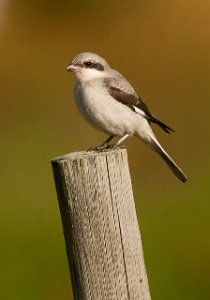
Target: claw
[(99, 148), (104, 148)]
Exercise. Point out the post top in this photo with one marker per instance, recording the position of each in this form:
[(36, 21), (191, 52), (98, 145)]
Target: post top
[(86, 154)]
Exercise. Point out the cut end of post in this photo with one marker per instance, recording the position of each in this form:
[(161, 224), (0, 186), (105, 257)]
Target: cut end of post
[(85, 154)]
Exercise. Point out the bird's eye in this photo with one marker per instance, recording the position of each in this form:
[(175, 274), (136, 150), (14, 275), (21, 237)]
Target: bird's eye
[(88, 63)]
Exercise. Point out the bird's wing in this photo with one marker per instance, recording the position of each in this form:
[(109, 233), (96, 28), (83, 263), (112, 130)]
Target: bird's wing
[(122, 91)]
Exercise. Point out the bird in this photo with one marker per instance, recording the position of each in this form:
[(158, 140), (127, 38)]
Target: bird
[(108, 102)]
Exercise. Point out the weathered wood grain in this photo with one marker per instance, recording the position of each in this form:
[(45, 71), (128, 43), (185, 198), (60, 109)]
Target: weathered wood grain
[(101, 230)]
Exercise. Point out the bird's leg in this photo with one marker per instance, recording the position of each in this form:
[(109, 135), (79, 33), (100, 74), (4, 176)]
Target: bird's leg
[(118, 143), (107, 141), (103, 145)]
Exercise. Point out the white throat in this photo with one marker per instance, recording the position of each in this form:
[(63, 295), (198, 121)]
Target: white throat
[(87, 74)]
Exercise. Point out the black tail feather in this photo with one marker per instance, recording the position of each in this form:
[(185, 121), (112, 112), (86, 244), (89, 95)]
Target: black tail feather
[(169, 161), (174, 168), (165, 127)]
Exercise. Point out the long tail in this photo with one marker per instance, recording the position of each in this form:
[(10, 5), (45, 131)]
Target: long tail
[(168, 160)]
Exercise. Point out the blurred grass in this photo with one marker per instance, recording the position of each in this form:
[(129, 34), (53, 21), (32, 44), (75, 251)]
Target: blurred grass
[(163, 48)]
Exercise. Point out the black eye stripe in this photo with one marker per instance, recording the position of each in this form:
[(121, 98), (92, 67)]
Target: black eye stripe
[(92, 65), (99, 67)]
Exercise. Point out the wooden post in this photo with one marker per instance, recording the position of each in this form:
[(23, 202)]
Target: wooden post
[(100, 226)]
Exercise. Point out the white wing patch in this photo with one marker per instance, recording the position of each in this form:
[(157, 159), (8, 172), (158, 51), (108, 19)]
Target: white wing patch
[(139, 111)]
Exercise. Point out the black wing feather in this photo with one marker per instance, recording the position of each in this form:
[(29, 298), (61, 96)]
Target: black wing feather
[(132, 101)]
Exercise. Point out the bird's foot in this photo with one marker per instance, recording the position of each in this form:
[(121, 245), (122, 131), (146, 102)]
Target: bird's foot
[(100, 148), (105, 147)]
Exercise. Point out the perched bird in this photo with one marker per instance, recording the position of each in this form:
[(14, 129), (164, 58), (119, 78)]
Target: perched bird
[(109, 103)]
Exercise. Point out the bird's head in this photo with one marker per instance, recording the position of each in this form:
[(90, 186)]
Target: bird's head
[(88, 66)]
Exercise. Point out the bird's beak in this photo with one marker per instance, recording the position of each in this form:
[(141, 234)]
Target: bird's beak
[(71, 68)]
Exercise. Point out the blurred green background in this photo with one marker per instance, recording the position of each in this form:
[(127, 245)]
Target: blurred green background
[(163, 48)]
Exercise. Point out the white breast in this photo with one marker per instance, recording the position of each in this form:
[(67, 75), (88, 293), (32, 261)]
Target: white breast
[(104, 112)]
